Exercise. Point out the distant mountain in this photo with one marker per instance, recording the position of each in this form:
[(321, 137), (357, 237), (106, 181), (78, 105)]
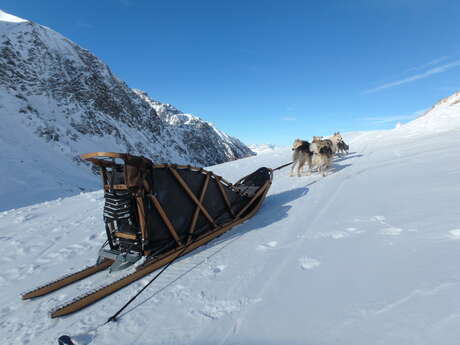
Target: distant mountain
[(443, 116), (58, 100), (263, 148)]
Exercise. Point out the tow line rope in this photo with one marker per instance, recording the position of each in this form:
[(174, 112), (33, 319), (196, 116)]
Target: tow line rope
[(114, 316), (282, 166)]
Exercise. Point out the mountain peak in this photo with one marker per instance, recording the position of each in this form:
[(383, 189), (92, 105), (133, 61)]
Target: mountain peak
[(60, 100), (6, 17)]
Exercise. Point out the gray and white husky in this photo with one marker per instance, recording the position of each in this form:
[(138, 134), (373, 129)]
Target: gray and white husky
[(321, 158), (332, 142), (300, 156), (316, 155)]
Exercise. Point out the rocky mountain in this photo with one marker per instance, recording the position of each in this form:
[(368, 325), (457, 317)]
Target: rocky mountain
[(58, 100)]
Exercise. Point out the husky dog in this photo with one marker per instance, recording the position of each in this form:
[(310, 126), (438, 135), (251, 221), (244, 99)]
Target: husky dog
[(342, 147), (335, 139), (301, 155), (318, 140), (317, 154), (337, 136), (321, 158)]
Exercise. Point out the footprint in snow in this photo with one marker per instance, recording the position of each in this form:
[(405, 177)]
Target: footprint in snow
[(391, 231), (454, 234), (218, 269), (265, 246), (307, 263), (338, 235), (23, 218), (216, 309)]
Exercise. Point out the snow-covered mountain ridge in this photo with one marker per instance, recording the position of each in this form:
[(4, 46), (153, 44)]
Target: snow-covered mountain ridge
[(57, 100), (263, 148), (443, 116)]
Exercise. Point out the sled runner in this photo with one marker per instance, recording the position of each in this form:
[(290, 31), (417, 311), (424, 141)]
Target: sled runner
[(159, 212)]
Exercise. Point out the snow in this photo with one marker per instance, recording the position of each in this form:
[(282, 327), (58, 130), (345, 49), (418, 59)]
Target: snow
[(442, 117), (366, 255), (6, 17), (264, 148)]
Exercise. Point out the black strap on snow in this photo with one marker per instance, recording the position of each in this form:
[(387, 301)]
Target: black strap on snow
[(114, 316), (65, 340)]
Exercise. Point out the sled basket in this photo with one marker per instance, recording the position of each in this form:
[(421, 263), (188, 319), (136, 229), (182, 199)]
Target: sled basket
[(152, 208)]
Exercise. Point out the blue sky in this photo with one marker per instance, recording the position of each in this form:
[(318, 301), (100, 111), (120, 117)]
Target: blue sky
[(271, 71)]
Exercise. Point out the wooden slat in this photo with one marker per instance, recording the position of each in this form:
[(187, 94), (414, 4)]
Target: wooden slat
[(125, 236), (187, 167), (225, 196), (197, 210), (67, 280), (165, 218), (221, 179), (259, 192), (141, 213), (103, 172), (103, 154), (116, 187), (191, 195)]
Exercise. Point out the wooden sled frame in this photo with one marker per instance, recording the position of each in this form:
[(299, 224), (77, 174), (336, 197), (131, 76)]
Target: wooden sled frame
[(140, 191), (100, 159)]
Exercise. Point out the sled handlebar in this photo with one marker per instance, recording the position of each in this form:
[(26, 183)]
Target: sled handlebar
[(97, 158)]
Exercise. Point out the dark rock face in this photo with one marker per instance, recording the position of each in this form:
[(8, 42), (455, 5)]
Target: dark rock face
[(69, 98)]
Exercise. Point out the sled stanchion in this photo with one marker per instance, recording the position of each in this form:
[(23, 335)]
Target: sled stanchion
[(141, 210), (191, 195), (165, 218), (197, 209), (225, 196)]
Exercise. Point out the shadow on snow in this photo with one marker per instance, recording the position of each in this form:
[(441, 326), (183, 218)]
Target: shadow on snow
[(273, 209)]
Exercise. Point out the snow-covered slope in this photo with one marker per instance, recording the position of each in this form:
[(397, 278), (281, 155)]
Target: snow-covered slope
[(367, 255), (442, 117), (57, 100), (264, 148), (6, 17)]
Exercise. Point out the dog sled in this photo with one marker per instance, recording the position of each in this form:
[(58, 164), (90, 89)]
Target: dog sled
[(158, 212)]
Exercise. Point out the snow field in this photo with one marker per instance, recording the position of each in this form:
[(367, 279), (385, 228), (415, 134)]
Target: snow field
[(368, 254)]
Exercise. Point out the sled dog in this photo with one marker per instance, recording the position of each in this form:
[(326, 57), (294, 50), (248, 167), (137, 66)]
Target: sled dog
[(320, 142), (335, 139), (342, 147), (300, 156), (321, 158)]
